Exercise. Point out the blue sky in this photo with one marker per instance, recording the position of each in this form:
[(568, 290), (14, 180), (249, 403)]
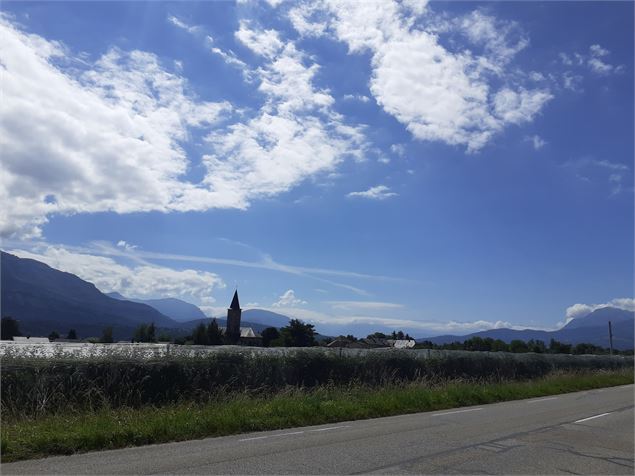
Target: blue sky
[(437, 168)]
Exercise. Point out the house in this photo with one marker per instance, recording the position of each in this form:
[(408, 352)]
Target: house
[(31, 340)]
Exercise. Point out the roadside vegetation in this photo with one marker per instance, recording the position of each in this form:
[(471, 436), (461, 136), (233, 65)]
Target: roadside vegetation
[(237, 412), (62, 405)]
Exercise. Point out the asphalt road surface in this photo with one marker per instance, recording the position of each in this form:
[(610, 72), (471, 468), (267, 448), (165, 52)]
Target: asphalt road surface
[(581, 433)]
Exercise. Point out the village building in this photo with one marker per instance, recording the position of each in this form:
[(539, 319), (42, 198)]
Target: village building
[(236, 334)]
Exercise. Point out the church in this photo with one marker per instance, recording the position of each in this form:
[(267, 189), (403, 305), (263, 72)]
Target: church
[(234, 333)]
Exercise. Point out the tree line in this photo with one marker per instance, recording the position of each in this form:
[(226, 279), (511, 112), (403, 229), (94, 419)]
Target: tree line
[(300, 334), (518, 346)]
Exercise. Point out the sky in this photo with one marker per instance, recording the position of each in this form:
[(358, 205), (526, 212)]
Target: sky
[(440, 167)]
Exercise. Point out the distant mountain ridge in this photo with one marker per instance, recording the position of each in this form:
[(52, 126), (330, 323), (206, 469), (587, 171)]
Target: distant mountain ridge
[(44, 299), (591, 329), (177, 309)]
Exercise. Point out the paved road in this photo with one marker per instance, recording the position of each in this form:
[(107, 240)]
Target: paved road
[(581, 433)]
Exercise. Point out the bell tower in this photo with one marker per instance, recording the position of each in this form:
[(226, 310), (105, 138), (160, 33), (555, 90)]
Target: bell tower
[(233, 320)]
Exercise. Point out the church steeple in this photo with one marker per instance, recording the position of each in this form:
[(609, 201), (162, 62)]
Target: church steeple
[(235, 304), (233, 320)]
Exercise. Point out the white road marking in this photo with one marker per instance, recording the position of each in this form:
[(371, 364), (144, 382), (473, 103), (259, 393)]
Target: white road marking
[(271, 436), (254, 438), (543, 399), (457, 411), (332, 428), (592, 417)]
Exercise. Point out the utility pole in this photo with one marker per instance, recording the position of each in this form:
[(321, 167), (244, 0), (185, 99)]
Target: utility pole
[(610, 339)]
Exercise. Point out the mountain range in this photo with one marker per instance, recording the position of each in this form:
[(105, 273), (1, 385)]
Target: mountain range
[(44, 299), (591, 328)]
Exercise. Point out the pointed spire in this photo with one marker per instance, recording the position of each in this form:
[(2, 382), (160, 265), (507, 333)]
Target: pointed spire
[(235, 304)]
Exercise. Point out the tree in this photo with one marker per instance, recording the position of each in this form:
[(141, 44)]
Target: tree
[(378, 335), (199, 335), (536, 346), (557, 347), (152, 333), (499, 346), (297, 334), (164, 337), (518, 346), (72, 334), (9, 328), (54, 336), (106, 336), (214, 335), (269, 335), (140, 333)]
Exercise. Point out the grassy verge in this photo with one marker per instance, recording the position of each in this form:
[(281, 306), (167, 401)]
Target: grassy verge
[(116, 428)]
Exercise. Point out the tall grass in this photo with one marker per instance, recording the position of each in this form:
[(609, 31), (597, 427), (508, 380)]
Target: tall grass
[(238, 412), (35, 387)]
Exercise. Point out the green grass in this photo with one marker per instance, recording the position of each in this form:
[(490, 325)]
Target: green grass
[(25, 438)]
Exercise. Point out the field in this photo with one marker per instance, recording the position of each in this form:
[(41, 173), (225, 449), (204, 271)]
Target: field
[(66, 403)]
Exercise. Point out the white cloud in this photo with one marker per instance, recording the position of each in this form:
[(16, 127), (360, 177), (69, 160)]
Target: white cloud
[(126, 246), (356, 97), (516, 107), (111, 135), (438, 95), (141, 281), (295, 135), (379, 192), (194, 30), (108, 137), (288, 299), (398, 149), (595, 60), (597, 63), (495, 36), (537, 141), (307, 19), (262, 42), (231, 59)]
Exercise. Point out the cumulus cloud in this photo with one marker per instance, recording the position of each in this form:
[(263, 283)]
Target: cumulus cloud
[(379, 192), (110, 133), (262, 42), (437, 94), (536, 141), (597, 61), (295, 135), (108, 137), (356, 97), (140, 281), (288, 299)]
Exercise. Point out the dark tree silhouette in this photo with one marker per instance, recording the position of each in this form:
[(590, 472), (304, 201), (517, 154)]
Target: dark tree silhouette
[(71, 334), (298, 334), (214, 335), (269, 335), (9, 328)]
